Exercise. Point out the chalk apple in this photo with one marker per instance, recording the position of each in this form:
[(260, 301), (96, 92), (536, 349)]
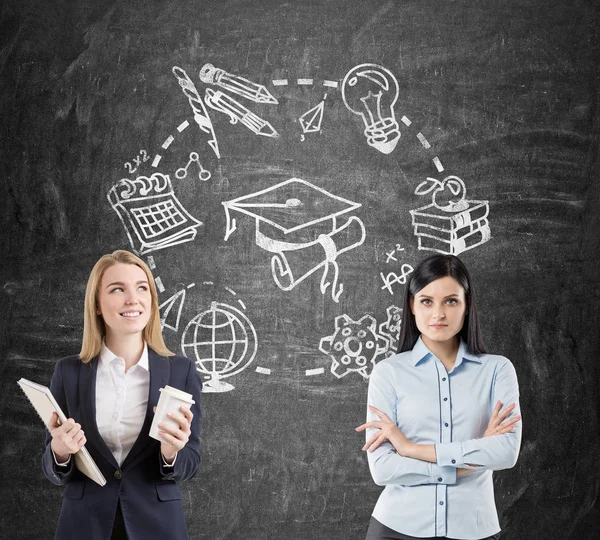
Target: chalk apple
[(450, 195)]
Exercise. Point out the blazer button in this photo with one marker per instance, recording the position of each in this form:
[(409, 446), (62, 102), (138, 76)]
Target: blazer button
[(118, 475)]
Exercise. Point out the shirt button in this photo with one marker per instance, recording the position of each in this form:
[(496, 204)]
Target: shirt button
[(118, 475), (441, 503), (445, 399), (444, 379), (446, 424), (439, 479), (453, 461)]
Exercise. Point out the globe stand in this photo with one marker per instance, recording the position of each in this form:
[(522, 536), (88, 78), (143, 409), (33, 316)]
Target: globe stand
[(216, 385)]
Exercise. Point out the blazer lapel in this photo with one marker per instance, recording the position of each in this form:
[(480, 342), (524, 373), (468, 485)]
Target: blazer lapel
[(87, 400), (159, 378)]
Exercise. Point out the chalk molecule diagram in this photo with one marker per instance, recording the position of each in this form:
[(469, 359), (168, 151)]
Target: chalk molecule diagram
[(355, 345), (221, 337)]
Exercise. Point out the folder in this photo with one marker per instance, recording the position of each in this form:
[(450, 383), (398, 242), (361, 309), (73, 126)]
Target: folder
[(44, 403)]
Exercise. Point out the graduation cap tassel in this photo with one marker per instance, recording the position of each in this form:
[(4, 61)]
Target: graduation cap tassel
[(330, 262)]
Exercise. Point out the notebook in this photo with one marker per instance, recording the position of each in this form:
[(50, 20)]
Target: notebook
[(44, 403)]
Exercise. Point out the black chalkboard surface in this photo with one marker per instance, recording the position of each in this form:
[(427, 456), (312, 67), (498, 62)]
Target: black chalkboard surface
[(283, 166)]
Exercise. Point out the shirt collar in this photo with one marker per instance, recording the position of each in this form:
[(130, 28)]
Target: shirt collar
[(420, 352), (107, 356)]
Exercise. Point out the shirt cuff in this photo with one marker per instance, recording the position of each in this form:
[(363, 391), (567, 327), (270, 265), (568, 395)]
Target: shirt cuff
[(60, 464), (449, 454), (165, 464), (443, 475)]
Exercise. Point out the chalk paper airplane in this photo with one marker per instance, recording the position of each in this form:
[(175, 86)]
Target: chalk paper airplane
[(170, 311), (298, 222), (312, 119)]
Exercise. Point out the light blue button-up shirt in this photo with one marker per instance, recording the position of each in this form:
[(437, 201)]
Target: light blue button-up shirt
[(451, 410)]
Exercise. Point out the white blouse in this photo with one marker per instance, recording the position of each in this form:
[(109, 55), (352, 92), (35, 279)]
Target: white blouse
[(121, 401)]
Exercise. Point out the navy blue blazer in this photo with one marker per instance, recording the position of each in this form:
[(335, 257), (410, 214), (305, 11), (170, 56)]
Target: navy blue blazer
[(147, 490)]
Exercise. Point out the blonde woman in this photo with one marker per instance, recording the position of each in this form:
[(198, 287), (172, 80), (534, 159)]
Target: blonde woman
[(108, 392)]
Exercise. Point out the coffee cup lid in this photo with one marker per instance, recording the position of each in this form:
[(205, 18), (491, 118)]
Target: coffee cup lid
[(179, 394)]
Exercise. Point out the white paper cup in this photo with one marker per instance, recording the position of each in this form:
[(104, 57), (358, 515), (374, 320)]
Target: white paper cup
[(169, 402)]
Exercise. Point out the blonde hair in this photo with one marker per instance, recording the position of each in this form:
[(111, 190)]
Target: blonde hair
[(94, 328)]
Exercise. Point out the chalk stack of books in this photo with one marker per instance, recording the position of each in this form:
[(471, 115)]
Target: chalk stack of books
[(451, 231)]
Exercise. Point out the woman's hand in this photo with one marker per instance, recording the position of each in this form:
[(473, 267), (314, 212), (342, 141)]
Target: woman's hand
[(67, 438), (388, 431), (498, 425), (175, 437)]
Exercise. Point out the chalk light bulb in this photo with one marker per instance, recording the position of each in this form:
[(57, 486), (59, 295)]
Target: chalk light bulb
[(370, 91)]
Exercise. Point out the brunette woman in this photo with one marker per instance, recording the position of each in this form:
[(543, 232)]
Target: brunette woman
[(443, 415)]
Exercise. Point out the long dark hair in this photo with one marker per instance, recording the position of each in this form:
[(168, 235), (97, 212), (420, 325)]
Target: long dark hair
[(432, 268)]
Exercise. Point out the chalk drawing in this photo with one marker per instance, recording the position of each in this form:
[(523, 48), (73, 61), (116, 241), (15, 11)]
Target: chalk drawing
[(203, 174), (236, 84), (370, 91), (391, 255), (170, 309), (393, 278), (312, 119), (222, 342), (426, 144), (304, 82), (293, 206), (200, 114), (142, 157), (225, 104), (152, 215), (168, 141), (451, 224), (330, 84), (354, 346), (313, 372), (280, 82), (159, 284), (150, 262), (263, 370), (423, 141), (391, 329)]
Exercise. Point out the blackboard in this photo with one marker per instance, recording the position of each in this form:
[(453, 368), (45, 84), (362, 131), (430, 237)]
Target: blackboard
[(101, 123)]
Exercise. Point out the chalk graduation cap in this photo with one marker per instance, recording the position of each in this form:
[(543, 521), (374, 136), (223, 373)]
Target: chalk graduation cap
[(289, 212)]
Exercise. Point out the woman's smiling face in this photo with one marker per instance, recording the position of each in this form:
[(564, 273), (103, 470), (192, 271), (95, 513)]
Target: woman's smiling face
[(124, 300), (440, 309)]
